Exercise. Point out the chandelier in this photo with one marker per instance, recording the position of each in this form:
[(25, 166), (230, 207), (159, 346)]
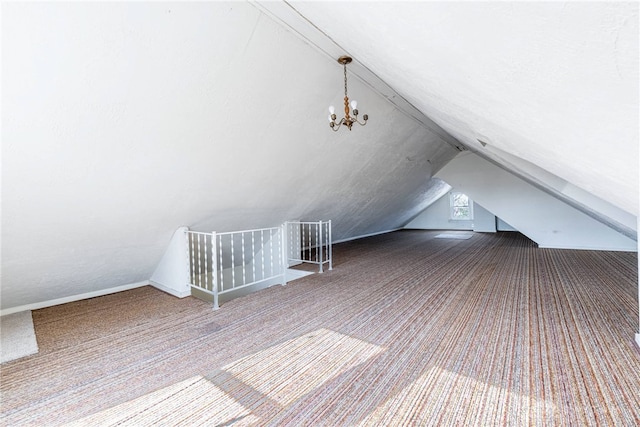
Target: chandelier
[(347, 120)]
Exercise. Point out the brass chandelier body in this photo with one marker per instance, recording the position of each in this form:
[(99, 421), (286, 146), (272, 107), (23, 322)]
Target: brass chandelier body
[(347, 120)]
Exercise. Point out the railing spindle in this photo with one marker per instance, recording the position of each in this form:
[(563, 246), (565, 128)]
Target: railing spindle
[(214, 271), (271, 251), (262, 251), (244, 273), (309, 245), (221, 265), (199, 268), (206, 269), (330, 244), (233, 264), (253, 254), (316, 242), (319, 243)]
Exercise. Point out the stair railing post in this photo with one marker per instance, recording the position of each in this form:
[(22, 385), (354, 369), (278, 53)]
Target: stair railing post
[(330, 246), (189, 265), (319, 242), (214, 269)]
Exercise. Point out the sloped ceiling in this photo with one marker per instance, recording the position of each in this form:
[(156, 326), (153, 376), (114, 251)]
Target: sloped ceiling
[(552, 83), (123, 121)]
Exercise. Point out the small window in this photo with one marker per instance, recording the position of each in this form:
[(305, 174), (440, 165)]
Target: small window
[(461, 207)]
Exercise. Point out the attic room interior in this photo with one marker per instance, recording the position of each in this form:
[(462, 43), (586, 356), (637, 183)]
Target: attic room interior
[(475, 232)]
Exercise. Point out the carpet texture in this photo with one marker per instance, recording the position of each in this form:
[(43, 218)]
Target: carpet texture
[(17, 337), (406, 330)]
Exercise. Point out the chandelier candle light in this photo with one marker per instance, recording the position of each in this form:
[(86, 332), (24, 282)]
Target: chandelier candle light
[(347, 120)]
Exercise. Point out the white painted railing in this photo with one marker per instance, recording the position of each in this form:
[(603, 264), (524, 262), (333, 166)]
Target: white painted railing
[(309, 242), (220, 263)]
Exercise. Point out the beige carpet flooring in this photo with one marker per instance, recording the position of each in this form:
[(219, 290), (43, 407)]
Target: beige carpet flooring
[(406, 330)]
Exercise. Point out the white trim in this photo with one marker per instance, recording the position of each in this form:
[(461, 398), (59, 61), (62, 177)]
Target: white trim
[(72, 298), (367, 235), (588, 248), (638, 339), (170, 290)]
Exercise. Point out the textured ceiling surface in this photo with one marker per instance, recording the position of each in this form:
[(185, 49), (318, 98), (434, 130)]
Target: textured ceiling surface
[(123, 121), (553, 83)]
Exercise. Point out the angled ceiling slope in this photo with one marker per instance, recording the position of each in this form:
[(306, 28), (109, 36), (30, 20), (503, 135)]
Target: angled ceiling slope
[(554, 84), (123, 121)]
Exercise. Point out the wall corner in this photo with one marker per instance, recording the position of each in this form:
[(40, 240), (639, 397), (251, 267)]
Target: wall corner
[(172, 273)]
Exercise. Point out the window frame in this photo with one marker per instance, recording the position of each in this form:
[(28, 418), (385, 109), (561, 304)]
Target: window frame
[(452, 206)]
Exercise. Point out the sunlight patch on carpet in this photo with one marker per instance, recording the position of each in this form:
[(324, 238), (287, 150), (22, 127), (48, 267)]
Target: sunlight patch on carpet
[(194, 401), (286, 372), (455, 399), (17, 336), (278, 375)]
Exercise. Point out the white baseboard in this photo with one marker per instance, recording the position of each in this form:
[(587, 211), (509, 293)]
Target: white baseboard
[(72, 298), (638, 339), (590, 248), (169, 290), (366, 235)]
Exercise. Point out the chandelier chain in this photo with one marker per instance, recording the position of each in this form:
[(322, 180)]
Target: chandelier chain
[(345, 79)]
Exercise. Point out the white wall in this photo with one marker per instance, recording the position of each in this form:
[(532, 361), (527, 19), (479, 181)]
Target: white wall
[(483, 220), (541, 217), (601, 210), (172, 273), (123, 121), (503, 226), (437, 217)]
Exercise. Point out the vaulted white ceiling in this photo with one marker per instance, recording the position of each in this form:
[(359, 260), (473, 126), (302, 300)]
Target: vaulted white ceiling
[(554, 84), (123, 121)]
